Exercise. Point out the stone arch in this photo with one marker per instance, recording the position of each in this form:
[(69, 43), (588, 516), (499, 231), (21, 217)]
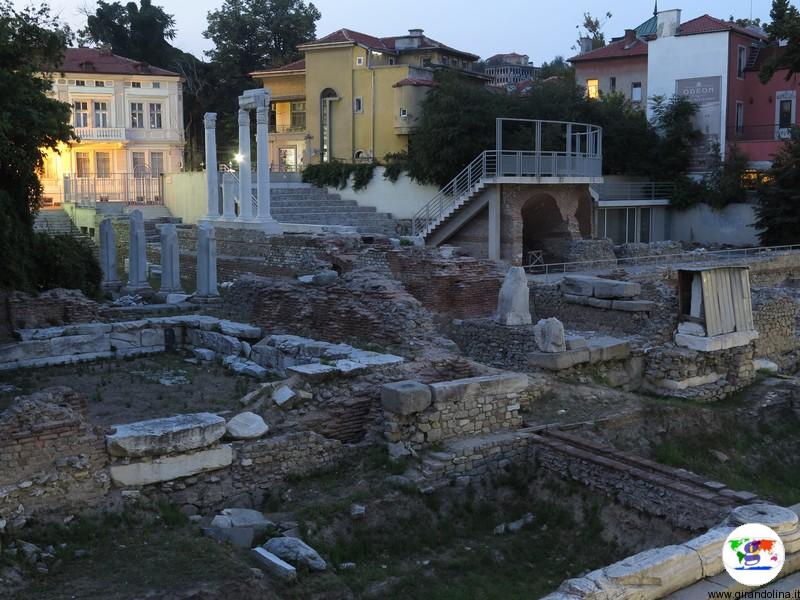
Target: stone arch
[(546, 225)]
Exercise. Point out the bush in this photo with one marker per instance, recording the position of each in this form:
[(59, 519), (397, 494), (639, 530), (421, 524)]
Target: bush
[(66, 262), (337, 174)]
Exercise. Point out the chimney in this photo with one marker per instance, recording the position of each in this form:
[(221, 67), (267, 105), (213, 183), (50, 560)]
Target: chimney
[(630, 35), (415, 32), (668, 22), (586, 44)]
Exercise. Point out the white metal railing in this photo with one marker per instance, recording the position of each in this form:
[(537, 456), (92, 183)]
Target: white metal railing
[(100, 133), (635, 190), (561, 149), (139, 187), (691, 256)]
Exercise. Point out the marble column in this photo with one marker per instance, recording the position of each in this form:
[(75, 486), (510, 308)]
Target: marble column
[(137, 253), (212, 182), (206, 261), (108, 256), (170, 260), (269, 225), (229, 195), (245, 174)]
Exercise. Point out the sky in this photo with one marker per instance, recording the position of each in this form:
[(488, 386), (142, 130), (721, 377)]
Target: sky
[(540, 29)]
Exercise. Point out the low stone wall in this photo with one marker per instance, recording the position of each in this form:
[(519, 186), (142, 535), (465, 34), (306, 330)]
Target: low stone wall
[(51, 458), (454, 409), (775, 319), (666, 247), (493, 344), (53, 307)]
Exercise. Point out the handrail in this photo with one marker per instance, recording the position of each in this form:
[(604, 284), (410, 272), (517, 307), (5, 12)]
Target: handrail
[(635, 190)]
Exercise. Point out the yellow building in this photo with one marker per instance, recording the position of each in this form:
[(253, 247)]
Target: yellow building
[(354, 97), (128, 117)]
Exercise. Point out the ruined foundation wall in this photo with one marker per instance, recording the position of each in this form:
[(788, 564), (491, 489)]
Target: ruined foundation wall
[(19, 310), (775, 319)]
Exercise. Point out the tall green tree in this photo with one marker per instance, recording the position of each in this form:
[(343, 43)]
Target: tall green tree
[(778, 209), (32, 42), (558, 67), (673, 120), (784, 27), (592, 27)]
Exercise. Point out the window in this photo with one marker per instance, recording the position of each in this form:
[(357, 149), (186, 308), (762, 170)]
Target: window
[(593, 89), (137, 115), (102, 163), (358, 104), (298, 116), (740, 118), (82, 167), (80, 114), (359, 60), (403, 113), (391, 60), (445, 60), (156, 164), (613, 84), (785, 119), (136, 84), (139, 164), (99, 84), (741, 62), (80, 83), (100, 114), (156, 85), (636, 91), (425, 61), (326, 123), (155, 115)]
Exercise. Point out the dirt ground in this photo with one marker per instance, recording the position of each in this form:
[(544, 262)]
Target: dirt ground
[(137, 389)]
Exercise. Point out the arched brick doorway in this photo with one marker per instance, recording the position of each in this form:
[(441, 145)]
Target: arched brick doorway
[(544, 227)]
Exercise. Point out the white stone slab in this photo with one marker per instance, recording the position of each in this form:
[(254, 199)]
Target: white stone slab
[(167, 435), (240, 330), (717, 342), (167, 468), (274, 565), (246, 426)]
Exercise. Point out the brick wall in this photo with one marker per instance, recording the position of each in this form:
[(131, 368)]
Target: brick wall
[(19, 310)]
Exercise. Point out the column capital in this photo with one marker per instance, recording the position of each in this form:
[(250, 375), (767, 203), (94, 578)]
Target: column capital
[(210, 120)]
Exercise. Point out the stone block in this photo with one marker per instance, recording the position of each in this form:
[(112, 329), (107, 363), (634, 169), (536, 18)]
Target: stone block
[(205, 354), (762, 364), (246, 426), (709, 547), (691, 382), (558, 361), (405, 397), (295, 550), (124, 340), (633, 305), (660, 571), (247, 517), (374, 359), (472, 387), (599, 303), (604, 348), (284, 396), (240, 330), (242, 366), (167, 435), (717, 342), (167, 468), (241, 537), (574, 299), (691, 328), (578, 285), (274, 565), (218, 342), (152, 337), (80, 344), (575, 342), (20, 351), (265, 355), (611, 288), (549, 335), (313, 372), (513, 303)]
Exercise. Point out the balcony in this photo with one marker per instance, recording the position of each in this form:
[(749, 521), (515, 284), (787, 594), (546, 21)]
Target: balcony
[(138, 188), (287, 129), (101, 134)]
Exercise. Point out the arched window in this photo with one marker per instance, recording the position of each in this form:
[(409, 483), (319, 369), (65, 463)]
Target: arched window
[(325, 122)]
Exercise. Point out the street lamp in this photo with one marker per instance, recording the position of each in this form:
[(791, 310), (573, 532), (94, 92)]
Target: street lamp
[(238, 157)]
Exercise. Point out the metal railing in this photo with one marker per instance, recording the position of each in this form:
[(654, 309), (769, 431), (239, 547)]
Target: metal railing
[(288, 129), (690, 256), (561, 149), (635, 190), (88, 189), (100, 133)]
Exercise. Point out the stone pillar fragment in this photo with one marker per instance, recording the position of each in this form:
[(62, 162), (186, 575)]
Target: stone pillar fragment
[(212, 181), (108, 256), (245, 173), (206, 262), (137, 261), (170, 260), (513, 303), (229, 195)]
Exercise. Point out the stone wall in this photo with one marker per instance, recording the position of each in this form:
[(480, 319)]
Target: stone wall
[(19, 310), (775, 318), (493, 344), (458, 409), (360, 307), (51, 458)]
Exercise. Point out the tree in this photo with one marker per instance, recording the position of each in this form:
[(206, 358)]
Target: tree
[(31, 43), (745, 22), (593, 29), (673, 120), (778, 209), (784, 27), (558, 67)]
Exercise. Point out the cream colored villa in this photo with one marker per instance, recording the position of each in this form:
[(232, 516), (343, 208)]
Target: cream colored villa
[(129, 120)]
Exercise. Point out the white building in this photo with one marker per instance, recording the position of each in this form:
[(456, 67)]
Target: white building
[(128, 117)]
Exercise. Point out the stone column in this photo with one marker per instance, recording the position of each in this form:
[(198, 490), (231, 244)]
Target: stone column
[(206, 263), (212, 183), (270, 225), (170, 261), (108, 256), (137, 261), (245, 175), (229, 195)]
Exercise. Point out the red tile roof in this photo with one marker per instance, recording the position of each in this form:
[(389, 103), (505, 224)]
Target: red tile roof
[(298, 65), (709, 24), (95, 60), (386, 44), (415, 82), (619, 49)]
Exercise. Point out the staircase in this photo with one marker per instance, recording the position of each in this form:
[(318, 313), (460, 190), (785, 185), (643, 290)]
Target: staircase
[(55, 222), (316, 206)]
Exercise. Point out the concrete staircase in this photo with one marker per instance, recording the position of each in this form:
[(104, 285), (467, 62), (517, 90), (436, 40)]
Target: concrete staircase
[(55, 222), (312, 205)]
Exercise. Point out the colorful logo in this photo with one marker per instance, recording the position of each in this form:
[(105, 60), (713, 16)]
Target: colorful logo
[(753, 554)]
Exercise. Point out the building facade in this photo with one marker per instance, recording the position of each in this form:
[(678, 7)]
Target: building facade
[(510, 69), (354, 97), (128, 117)]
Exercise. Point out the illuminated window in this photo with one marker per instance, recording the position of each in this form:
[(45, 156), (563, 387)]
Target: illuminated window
[(593, 88)]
